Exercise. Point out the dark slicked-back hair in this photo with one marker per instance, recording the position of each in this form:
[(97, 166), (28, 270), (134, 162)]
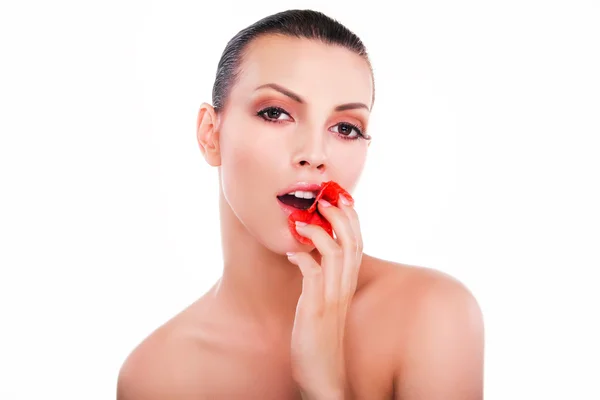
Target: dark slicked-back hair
[(307, 24)]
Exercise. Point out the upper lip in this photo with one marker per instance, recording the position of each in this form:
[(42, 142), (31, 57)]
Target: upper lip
[(304, 186)]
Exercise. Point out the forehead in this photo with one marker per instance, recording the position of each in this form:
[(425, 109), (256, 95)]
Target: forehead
[(319, 72)]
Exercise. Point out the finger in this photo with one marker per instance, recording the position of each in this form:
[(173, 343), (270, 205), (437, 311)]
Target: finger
[(345, 223), (348, 209), (350, 279), (346, 238), (332, 258), (340, 223), (312, 278)]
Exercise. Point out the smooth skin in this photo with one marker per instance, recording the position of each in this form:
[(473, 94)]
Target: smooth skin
[(317, 348), (328, 322)]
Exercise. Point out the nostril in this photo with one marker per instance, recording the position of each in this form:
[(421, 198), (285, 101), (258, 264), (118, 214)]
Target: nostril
[(320, 166)]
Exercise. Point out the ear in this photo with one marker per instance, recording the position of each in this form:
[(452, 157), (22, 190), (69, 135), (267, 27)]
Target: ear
[(208, 135)]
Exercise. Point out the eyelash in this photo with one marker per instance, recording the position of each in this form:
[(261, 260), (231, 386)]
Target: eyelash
[(361, 135)]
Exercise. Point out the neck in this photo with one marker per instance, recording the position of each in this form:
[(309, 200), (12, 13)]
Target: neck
[(258, 285)]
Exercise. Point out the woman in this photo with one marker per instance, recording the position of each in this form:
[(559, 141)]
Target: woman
[(288, 320)]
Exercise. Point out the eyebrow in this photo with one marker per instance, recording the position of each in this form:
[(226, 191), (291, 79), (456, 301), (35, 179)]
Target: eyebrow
[(298, 99)]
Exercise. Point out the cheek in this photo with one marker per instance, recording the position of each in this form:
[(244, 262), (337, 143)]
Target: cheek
[(248, 165), (246, 157), (349, 164)]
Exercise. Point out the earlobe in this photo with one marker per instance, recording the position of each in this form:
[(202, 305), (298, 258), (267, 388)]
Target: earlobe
[(207, 134)]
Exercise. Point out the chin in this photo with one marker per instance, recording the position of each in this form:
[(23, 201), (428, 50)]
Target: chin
[(272, 231), (282, 242)]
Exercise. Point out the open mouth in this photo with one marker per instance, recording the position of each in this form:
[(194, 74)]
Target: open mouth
[(301, 200), (302, 204)]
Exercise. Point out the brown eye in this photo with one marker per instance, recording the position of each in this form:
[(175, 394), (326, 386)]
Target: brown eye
[(274, 114), (347, 131)]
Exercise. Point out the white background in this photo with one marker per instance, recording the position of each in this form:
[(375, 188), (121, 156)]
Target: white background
[(485, 165)]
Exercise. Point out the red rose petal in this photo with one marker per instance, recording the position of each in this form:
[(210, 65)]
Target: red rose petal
[(330, 191)]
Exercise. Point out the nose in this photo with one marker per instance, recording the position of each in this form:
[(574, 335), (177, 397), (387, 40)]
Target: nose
[(312, 152)]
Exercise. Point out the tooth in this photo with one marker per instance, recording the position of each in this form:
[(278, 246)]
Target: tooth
[(292, 193), (304, 194)]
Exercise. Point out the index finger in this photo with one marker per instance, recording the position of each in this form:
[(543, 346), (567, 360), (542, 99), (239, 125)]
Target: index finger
[(345, 223), (348, 208)]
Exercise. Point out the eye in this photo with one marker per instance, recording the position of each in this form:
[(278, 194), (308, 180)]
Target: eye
[(274, 114), (349, 131)]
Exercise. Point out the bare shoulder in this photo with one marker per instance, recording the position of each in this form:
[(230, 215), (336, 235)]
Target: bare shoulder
[(436, 325), (420, 300), (160, 367), (414, 288), (172, 362)]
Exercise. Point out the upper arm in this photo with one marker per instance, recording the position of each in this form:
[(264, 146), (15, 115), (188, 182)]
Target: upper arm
[(159, 369), (443, 353)]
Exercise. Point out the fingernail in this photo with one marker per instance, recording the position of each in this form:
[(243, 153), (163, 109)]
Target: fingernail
[(300, 223), (324, 203), (290, 253), (345, 200), (292, 259)]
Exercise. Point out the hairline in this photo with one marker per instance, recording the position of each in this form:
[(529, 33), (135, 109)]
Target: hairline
[(247, 48)]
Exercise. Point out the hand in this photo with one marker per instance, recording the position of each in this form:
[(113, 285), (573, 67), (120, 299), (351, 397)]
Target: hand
[(317, 348)]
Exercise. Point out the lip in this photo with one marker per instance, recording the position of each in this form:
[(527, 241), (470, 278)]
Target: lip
[(304, 186)]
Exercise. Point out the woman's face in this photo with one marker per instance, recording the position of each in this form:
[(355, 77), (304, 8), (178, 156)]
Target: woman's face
[(297, 114)]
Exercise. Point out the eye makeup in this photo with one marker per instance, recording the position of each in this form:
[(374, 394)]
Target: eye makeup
[(274, 114)]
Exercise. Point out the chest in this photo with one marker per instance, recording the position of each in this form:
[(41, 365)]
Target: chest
[(266, 373), (240, 369)]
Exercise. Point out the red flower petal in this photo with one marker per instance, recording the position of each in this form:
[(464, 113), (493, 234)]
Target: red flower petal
[(330, 191)]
